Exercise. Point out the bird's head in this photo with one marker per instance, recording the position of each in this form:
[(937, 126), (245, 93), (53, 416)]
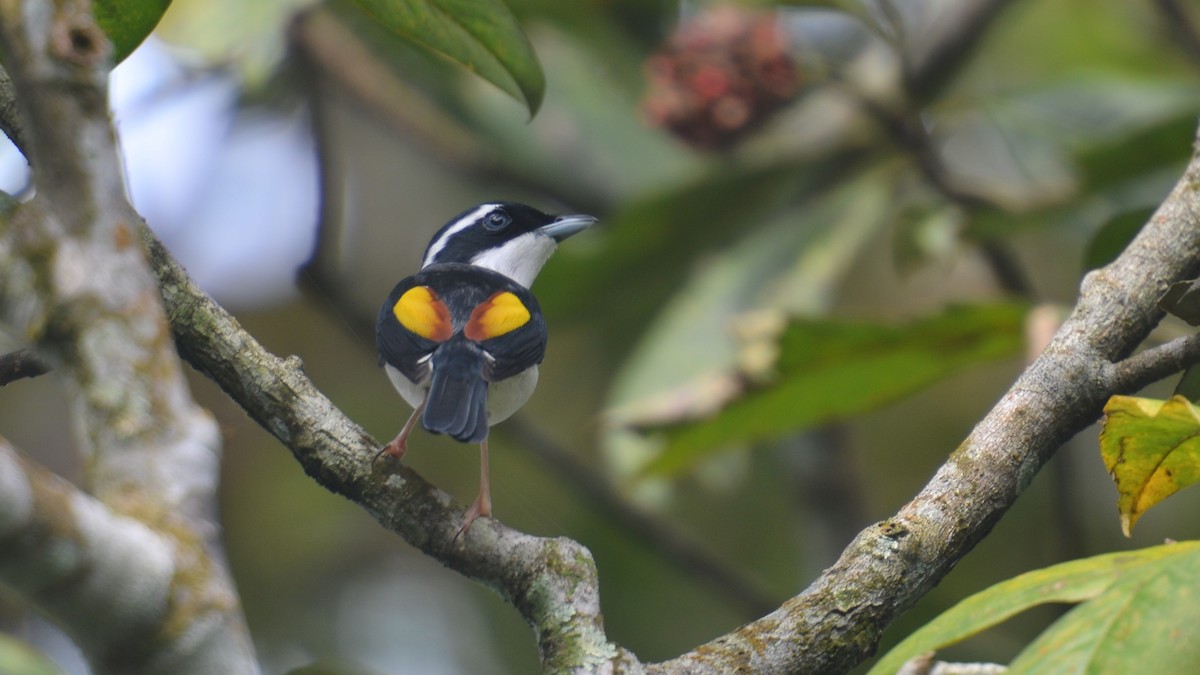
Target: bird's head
[(510, 238)]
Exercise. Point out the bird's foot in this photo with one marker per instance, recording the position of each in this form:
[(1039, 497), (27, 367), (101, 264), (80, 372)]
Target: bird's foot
[(394, 449), (481, 507)]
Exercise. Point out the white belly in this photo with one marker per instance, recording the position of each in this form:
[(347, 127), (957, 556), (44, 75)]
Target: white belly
[(504, 397), (412, 392), (507, 396)]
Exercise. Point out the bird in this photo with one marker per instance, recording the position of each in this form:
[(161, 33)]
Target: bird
[(461, 340)]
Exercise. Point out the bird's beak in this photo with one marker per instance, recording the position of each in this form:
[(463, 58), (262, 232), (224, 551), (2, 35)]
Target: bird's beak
[(565, 226)]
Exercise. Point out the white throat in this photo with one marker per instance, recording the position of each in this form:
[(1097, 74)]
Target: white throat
[(519, 259)]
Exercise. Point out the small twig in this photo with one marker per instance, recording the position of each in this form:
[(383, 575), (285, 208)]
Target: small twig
[(926, 664), (21, 364), (1182, 29), (907, 131), (1149, 366), (950, 47), (1007, 269)]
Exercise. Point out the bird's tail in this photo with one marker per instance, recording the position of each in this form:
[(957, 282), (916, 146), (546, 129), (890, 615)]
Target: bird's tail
[(457, 401)]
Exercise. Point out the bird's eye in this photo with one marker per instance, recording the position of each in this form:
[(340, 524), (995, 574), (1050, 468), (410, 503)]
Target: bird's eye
[(496, 221)]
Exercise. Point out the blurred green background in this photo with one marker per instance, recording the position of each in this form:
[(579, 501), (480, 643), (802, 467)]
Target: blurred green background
[(797, 303)]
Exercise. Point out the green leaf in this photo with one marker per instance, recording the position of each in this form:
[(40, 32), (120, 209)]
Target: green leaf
[(1162, 143), (1144, 622), (128, 22), (688, 361), (1102, 578), (830, 370), (1189, 384), (1152, 450), (481, 35), (1081, 112)]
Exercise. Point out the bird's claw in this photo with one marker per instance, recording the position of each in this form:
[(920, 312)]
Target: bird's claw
[(478, 508), (396, 450)]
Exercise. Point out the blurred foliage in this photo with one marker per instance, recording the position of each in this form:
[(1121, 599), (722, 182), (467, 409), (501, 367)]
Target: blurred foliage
[(1129, 617), (856, 263), (822, 372), (480, 35), (1152, 450), (18, 658), (246, 36)]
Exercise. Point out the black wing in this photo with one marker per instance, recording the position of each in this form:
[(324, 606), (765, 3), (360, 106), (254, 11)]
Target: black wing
[(519, 350), (398, 346)]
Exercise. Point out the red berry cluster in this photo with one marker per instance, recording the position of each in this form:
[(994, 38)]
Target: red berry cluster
[(719, 76)]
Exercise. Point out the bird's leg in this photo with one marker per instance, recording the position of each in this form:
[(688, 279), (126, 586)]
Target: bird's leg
[(483, 503), (399, 445)]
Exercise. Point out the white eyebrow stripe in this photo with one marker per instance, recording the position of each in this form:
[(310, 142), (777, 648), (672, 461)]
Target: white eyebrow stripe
[(459, 225)]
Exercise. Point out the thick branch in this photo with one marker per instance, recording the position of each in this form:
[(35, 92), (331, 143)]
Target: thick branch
[(838, 620), (77, 560), (74, 282)]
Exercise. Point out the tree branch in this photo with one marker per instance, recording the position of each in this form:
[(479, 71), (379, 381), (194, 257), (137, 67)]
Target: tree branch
[(78, 560), (838, 620), (74, 282), (1152, 365), (21, 364)]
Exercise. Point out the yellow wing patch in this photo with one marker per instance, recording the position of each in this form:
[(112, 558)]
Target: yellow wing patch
[(420, 311), (502, 313)]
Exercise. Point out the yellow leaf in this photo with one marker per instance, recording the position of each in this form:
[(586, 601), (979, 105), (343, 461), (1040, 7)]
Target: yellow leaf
[(1151, 449)]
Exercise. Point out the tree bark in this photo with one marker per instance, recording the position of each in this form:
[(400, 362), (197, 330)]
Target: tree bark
[(74, 282)]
